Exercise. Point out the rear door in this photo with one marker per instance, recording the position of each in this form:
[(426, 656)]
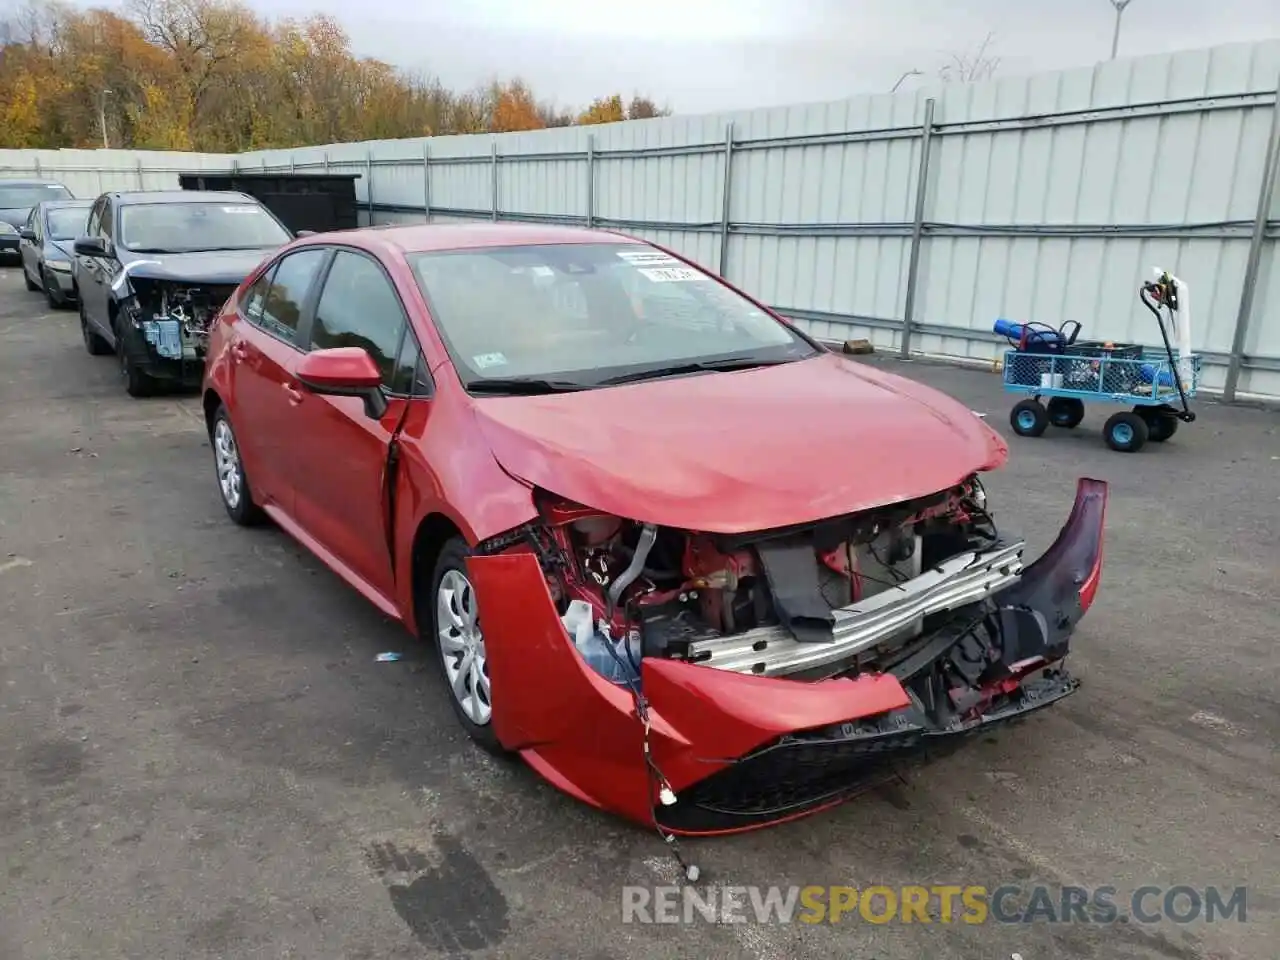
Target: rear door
[(340, 470), (263, 342)]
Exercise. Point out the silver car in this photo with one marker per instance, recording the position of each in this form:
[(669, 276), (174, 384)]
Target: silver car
[(47, 248)]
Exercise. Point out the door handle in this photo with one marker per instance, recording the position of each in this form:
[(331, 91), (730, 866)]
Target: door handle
[(294, 395), (239, 351)]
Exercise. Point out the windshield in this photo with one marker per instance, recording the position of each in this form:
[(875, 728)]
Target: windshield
[(579, 315), (67, 223), (29, 194), (201, 225)]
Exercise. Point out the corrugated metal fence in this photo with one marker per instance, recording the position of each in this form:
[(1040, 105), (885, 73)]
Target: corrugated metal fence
[(913, 219)]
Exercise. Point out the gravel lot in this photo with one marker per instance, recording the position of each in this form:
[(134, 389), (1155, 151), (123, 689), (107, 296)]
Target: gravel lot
[(199, 756)]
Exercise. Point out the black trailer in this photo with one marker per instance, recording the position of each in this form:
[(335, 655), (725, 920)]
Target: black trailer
[(319, 202)]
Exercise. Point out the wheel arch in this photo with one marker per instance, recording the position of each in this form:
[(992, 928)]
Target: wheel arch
[(210, 401), (433, 532)]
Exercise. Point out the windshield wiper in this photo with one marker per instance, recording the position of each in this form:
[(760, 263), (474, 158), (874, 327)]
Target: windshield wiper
[(524, 386), (697, 366)]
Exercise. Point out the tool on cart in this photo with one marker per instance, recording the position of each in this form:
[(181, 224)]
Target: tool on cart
[(1055, 364)]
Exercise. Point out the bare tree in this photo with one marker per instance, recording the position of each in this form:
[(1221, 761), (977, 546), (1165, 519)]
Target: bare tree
[(971, 66)]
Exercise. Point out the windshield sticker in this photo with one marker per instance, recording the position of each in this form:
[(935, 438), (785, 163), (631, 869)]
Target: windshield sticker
[(542, 271), (671, 274), (647, 257), (485, 360), (243, 209)]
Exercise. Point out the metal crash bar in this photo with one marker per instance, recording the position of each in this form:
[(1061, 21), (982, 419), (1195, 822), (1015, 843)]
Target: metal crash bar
[(773, 651)]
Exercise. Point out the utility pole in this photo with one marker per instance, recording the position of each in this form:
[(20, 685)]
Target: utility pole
[(1115, 37), (102, 117)]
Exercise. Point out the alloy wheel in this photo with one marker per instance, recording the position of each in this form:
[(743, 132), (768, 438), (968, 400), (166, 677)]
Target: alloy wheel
[(462, 646), (226, 457)]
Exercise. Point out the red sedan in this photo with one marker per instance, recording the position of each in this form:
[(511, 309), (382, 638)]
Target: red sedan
[(692, 567)]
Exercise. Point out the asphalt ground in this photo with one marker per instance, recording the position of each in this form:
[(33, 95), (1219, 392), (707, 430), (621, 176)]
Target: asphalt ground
[(200, 757)]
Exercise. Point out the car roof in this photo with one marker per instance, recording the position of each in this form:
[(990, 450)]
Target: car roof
[(66, 204), (180, 196), (431, 237)]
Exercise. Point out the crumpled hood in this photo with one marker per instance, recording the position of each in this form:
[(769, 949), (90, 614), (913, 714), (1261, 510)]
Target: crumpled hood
[(742, 451), (206, 266)]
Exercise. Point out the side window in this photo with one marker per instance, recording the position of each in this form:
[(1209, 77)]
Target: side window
[(360, 308), (410, 378), (31, 222), (287, 292), (105, 226), (256, 296), (95, 218)]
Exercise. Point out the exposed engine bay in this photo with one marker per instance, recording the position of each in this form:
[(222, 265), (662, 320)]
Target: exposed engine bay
[(174, 317), (827, 599)]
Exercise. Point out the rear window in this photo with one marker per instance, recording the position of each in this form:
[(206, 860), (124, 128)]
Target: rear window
[(28, 195)]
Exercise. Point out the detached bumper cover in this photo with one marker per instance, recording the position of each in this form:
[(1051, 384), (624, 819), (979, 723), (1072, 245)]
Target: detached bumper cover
[(743, 751)]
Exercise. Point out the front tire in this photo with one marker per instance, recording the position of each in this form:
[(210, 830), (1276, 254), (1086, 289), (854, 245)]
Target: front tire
[(93, 341), (136, 382), (26, 278), (1028, 418), (1125, 432), (459, 642), (233, 484), (52, 292)]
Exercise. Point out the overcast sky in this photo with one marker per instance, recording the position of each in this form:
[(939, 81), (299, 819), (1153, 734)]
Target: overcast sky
[(707, 55)]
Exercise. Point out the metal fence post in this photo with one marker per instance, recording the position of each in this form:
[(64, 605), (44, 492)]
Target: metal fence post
[(591, 180), (36, 161), (142, 183), (493, 164), (293, 162), (917, 230), (326, 163), (1270, 171), (726, 190), (426, 181), (368, 185)]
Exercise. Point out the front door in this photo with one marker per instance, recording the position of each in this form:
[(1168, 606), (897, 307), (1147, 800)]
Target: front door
[(341, 455), (262, 339)]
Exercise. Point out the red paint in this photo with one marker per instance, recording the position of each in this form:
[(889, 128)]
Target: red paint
[(582, 732), (715, 452), (344, 367), (743, 451)]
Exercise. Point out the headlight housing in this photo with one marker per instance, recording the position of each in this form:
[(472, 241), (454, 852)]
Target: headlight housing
[(59, 266)]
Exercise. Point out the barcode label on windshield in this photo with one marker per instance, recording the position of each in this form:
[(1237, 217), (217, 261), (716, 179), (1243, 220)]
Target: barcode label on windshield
[(671, 274), (244, 209)]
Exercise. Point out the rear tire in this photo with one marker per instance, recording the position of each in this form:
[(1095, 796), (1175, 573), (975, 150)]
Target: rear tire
[(1125, 432), (233, 483), (1161, 424), (459, 642), (1065, 412)]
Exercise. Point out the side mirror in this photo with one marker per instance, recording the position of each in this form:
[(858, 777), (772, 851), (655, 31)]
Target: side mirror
[(305, 233), (345, 372), (26, 233), (91, 247)]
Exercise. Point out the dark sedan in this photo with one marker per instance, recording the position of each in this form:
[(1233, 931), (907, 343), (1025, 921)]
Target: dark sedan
[(46, 248), (154, 268), (17, 197)]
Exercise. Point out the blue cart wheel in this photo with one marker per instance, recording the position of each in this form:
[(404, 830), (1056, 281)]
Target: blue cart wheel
[(1065, 412), (1125, 432), (1029, 418)]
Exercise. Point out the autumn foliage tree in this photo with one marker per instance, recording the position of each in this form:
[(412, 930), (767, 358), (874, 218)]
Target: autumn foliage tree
[(211, 75)]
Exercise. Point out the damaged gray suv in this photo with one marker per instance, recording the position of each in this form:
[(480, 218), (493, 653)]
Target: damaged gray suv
[(154, 268)]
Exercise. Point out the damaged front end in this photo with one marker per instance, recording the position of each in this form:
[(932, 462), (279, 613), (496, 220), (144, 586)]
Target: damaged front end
[(164, 323), (754, 677)]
